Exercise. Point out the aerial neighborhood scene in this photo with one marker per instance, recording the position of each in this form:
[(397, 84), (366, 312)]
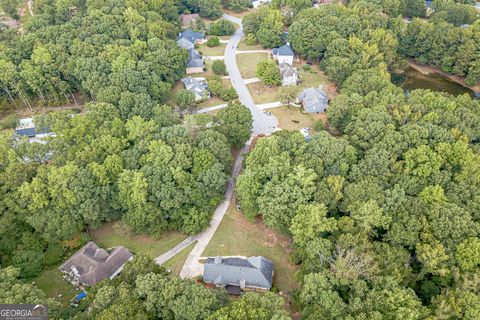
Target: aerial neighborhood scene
[(240, 159)]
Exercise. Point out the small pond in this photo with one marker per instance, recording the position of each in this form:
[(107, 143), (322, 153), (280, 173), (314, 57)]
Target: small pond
[(412, 79)]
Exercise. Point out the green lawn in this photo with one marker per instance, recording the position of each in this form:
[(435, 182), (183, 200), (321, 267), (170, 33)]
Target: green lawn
[(213, 101), (52, 283), (313, 78), (214, 51), (238, 14), (292, 118), (263, 94), (176, 263), (107, 237), (243, 46), (236, 236), (247, 63)]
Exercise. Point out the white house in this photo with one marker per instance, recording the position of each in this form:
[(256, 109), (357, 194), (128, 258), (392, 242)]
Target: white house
[(283, 54), (289, 74)]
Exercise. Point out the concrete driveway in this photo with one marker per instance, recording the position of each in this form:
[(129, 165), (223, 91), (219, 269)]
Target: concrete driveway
[(261, 122)]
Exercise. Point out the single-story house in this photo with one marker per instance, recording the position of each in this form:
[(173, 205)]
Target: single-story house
[(26, 128), (188, 19), (252, 273), (289, 74), (283, 54), (198, 87), (192, 36), (313, 100), (92, 264), (194, 62)]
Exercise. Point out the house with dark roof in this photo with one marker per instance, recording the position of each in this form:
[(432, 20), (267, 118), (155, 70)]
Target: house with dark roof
[(91, 264), (237, 273), (313, 100), (26, 128), (198, 87), (283, 54), (289, 74), (192, 36), (185, 44), (194, 62)]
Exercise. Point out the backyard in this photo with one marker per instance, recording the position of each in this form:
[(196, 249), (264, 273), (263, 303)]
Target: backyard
[(52, 283), (176, 263), (247, 63), (237, 236), (108, 236)]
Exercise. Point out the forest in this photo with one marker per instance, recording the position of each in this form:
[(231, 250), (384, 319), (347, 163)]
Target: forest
[(382, 206)]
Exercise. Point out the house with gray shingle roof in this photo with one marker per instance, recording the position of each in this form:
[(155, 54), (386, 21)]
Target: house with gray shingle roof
[(289, 74), (313, 100), (194, 62), (192, 36), (198, 87), (185, 44), (91, 264), (252, 273), (284, 54)]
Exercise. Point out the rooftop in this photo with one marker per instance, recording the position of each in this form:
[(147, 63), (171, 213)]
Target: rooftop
[(285, 50)]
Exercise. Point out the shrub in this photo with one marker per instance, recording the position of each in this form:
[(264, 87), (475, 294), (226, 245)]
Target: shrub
[(250, 39), (319, 126), (213, 42), (306, 67), (219, 67)]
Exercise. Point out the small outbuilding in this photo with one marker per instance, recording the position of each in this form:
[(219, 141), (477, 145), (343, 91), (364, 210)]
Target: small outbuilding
[(91, 264), (313, 100), (234, 273)]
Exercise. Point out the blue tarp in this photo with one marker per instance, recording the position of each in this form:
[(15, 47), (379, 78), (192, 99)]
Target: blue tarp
[(81, 295)]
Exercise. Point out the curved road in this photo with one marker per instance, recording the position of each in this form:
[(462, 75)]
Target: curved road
[(261, 122)]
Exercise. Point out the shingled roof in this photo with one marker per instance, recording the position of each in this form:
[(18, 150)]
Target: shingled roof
[(285, 50), (314, 100), (255, 272), (191, 35), (92, 264)]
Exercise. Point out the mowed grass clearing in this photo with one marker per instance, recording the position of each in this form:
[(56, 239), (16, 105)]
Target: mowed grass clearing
[(51, 282), (212, 51), (247, 63), (292, 118), (107, 237), (236, 236), (263, 94), (176, 263)]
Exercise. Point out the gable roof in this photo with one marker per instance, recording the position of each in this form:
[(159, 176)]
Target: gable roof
[(196, 86), (287, 71), (195, 59), (191, 35), (254, 271), (314, 100), (188, 18), (285, 50), (185, 44), (94, 264)]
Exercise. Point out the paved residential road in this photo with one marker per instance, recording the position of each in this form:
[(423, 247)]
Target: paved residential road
[(261, 122)]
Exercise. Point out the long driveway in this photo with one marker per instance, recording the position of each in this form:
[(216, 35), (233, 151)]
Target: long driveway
[(262, 123), (192, 267)]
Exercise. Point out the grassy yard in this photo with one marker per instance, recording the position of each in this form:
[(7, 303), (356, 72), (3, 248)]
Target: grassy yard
[(315, 77), (237, 236), (214, 51), (107, 237), (263, 94), (243, 46), (52, 283), (247, 63), (176, 263), (291, 118), (238, 14)]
